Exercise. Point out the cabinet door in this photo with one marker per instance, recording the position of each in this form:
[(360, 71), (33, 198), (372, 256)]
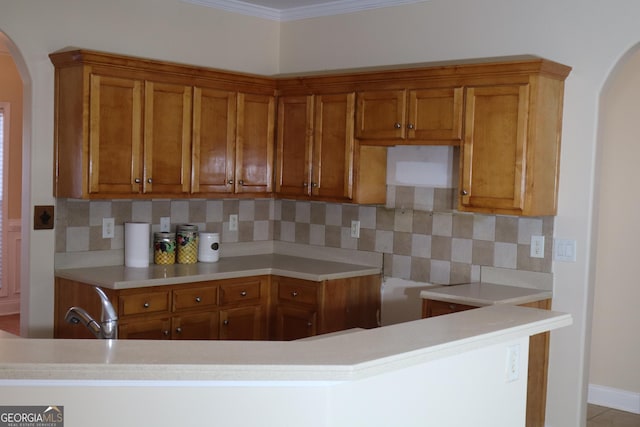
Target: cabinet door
[(435, 115), (214, 141), (254, 144), (167, 138), (333, 144), (115, 135), (195, 326), (295, 322), (155, 328), (242, 323), (493, 161), (381, 114), (295, 137)]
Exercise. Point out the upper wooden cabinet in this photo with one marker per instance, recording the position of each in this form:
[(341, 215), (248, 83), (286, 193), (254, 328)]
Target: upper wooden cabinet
[(317, 155), (129, 127), (428, 116)]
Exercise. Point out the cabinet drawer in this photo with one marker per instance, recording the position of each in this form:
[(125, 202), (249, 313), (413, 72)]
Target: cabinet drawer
[(298, 292), (233, 293), (431, 308), (150, 302), (195, 297)]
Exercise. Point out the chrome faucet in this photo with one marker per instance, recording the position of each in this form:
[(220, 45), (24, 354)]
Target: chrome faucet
[(108, 326)]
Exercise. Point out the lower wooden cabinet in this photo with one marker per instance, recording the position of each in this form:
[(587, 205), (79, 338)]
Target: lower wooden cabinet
[(538, 357), (247, 308)]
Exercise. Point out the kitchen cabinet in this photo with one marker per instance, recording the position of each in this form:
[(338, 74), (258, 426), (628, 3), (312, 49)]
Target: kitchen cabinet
[(225, 309), (304, 308), (317, 156), (129, 127), (538, 357), (421, 116), (509, 163)]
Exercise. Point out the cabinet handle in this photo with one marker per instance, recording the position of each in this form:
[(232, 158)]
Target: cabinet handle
[(230, 181), (198, 299), (309, 324), (305, 184), (137, 180), (165, 333), (225, 322), (179, 330), (149, 180), (241, 182), (243, 293), (314, 185), (294, 294), (452, 306), (410, 126), (464, 192), (146, 305), (397, 125)]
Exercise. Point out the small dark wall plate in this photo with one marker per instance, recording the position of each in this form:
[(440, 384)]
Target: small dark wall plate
[(43, 217)]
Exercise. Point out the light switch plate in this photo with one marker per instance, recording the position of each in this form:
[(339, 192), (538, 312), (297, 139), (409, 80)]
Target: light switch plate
[(564, 250), (165, 224), (108, 226), (537, 247)]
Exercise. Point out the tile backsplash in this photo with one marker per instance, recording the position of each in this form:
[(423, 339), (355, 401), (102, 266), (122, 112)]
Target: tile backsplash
[(421, 236)]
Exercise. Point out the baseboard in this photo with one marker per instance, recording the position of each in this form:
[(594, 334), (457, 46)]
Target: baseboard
[(609, 397)]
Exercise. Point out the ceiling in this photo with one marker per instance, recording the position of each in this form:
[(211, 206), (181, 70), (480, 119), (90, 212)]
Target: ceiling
[(291, 10)]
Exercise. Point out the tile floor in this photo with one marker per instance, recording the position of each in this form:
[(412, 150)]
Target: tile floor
[(597, 416)]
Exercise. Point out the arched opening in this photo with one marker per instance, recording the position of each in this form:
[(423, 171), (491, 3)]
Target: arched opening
[(613, 375), (15, 194)]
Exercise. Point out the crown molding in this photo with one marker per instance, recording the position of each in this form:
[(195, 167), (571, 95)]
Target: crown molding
[(330, 8)]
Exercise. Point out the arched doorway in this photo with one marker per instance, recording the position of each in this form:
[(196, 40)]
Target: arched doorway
[(614, 380), (11, 109)]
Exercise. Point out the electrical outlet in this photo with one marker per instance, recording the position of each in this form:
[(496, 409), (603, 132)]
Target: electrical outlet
[(233, 222), (355, 229), (107, 228), (513, 363), (537, 247), (165, 224)]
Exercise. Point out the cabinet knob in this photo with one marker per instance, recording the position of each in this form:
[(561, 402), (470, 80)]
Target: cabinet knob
[(410, 126), (314, 184), (137, 180), (225, 322), (198, 299), (243, 293), (146, 305), (241, 182), (230, 181), (149, 180), (305, 184), (165, 333), (464, 192), (294, 294), (452, 306), (309, 324), (178, 330), (397, 125)]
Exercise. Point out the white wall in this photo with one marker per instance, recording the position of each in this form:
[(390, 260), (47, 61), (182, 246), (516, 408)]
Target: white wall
[(574, 32), (615, 347), (588, 35)]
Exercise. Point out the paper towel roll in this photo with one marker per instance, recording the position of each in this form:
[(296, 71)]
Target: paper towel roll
[(136, 244), (209, 248)]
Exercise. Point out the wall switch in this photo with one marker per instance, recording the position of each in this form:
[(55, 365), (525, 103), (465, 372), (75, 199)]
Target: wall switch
[(165, 224), (564, 250), (537, 247), (355, 229), (513, 363), (233, 222), (107, 228)]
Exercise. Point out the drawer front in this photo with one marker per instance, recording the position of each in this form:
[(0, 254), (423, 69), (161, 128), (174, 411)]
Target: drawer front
[(184, 299), (301, 293), (432, 308), (234, 293), (150, 302)]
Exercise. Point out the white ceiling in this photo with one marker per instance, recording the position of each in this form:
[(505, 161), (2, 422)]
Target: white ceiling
[(291, 10)]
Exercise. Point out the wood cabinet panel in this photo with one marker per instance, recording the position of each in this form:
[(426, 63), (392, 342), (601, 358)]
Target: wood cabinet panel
[(294, 322), (143, 303), (242, 291), (195, 326), (195, 298), (150, 328), (242, 323), (214, 141)]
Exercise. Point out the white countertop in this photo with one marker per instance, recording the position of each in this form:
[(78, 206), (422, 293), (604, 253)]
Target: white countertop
[(481, 294), (337, 357), (121, 277)]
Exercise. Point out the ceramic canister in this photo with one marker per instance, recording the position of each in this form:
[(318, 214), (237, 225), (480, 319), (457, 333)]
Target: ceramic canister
[(187, 244), (164, 248), (209, 247)]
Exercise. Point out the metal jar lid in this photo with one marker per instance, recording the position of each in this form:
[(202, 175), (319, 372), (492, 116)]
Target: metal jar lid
[(187, 227), (163, 235)]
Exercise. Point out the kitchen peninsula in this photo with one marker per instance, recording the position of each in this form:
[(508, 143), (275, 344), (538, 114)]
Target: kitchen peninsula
[(409, 374)]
